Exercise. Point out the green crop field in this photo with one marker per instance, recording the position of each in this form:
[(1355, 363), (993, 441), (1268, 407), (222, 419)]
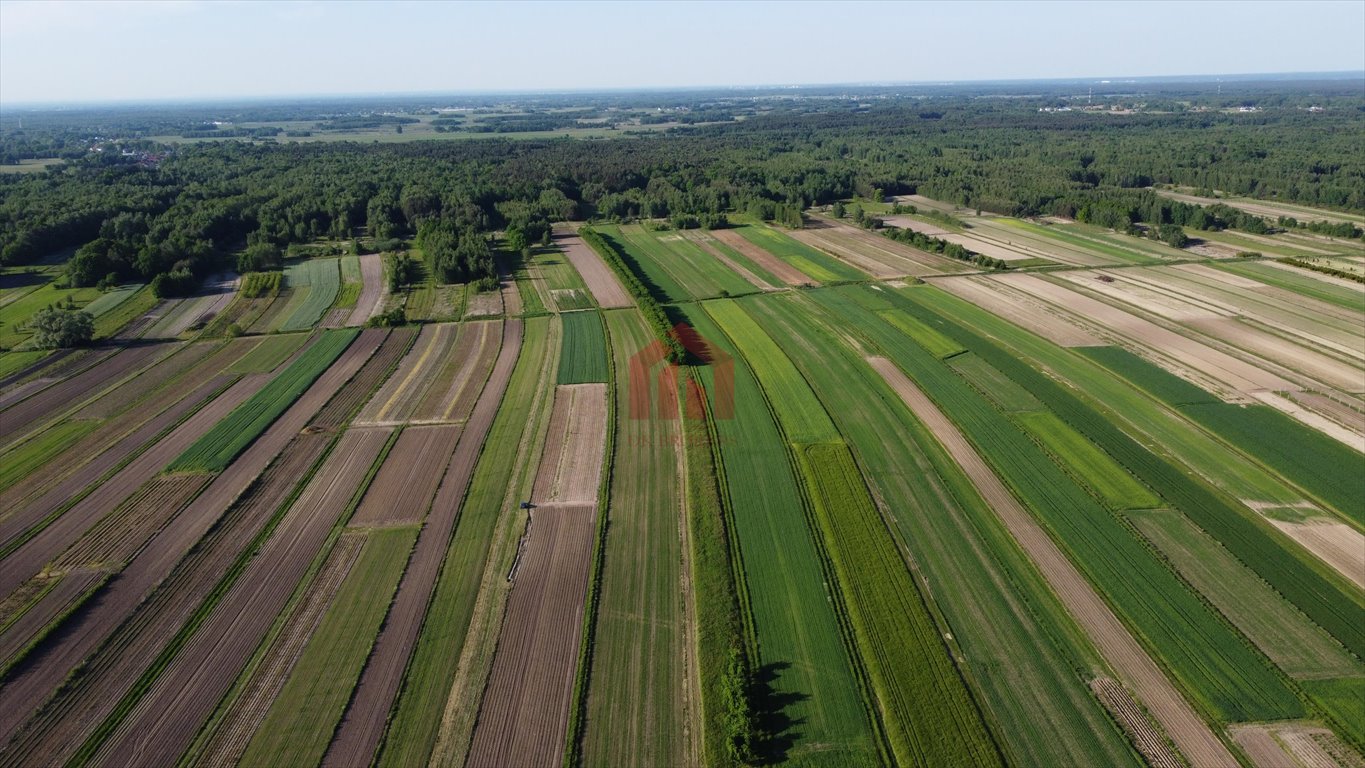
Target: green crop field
[(814, 263), (19, 461), (651, 258), (584, 358), (269, 353), (323, 281), (906, 657), (1218, 667), (111, 299), (1297, 281), (299, 725), (1116, 487), (801, 663), (697, 273), (229, 437), (1021, 649), (941, 346), (1293, 642), (989, 381), (803, 418), (1343, 700)]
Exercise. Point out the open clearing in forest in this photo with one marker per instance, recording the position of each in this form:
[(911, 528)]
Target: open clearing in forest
[(525, 709)]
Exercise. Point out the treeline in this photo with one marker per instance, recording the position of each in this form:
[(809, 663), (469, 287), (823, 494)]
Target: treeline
[(649, 306), (1326, 270), (205, 201), (942, 247)]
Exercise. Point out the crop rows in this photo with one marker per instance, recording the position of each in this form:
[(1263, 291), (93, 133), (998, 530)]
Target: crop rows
[(906, 658), (1324, 598), (323, 282), (1218, 667), (584, 358), (216, 449)]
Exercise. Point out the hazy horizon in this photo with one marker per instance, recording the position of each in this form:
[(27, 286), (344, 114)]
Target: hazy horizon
[(72, 53)]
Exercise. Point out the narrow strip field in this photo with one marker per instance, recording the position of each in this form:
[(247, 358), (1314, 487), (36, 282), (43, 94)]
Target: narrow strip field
[(781, 270), (403, 488), (599, 278), (398, 398), (323, 282), (371, 299), (814, 264), (584, 358), (524, 714), (880, 256), (362, 726), (639, 691)]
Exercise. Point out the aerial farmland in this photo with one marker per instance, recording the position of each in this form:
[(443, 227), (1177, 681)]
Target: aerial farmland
[(778, 433)]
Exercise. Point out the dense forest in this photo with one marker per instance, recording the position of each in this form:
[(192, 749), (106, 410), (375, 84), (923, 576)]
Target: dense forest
[(173, 213)]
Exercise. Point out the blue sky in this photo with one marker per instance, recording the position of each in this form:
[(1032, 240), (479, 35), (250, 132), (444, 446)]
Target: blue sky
[(201, 49)]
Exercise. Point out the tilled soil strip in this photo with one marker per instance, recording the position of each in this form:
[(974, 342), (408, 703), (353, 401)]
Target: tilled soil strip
[(525, 711), (601, 281), (22, 418), (339, 409), (779, 268), (414, 373), (458, 401), (27, 690), (71, 716), (59, 534), (363, 723), (371, 291), (248, 711), (60, 363), (35, 498), (165, 720), (1190, 734), (402, 489), (53, 603)]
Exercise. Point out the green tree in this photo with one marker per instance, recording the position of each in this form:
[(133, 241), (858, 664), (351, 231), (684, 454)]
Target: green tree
[(55, 328)]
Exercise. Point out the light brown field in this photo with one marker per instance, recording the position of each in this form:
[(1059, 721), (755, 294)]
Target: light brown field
[(877, 255), (395, 401), (1001, 299), (371, 298), (524, 714), (606, 289), (1293, 745), (1335, 543), (452, 395), (1135, 723), (1115, 643), (362, 724), (777, 267), (402, 489)]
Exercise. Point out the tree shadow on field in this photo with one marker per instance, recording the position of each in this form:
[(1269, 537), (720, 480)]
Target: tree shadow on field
[(776, 729)]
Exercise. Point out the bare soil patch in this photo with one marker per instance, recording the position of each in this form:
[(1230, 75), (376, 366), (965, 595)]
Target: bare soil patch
[(608, 291), (372, 289), (779, 268), (394, 402), (403, 487), (362, 725), (1000, 299), (1115, 643), (571, 465)]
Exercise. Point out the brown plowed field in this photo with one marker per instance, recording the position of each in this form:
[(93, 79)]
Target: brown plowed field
[(119, 398), (111, 670), (371, 291), (119, 534), (56, 366), (164, 721), (403, 487), (89, 628), (59, 599), (1019, 308), (704, 242), (400, 394), (27, 415), (601, 281), (874, 253), (1135, 723), (462, 377), (1115, 643), (779, 268), (65, 529), (511, 295), (57, 483), (570, 467), (362, 725), (248, 711), (525, 710), (359, 389)]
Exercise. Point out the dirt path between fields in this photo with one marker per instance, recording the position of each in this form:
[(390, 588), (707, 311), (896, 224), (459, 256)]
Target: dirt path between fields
[(1123, 653)]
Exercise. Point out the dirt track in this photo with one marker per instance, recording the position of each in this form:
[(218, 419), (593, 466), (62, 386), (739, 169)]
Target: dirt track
[(1132, 664), (777, 267), (371, 297), (362, 725), (524, 714), (164, 721), (601, 281)]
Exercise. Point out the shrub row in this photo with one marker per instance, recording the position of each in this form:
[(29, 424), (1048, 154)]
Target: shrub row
[(650, 308)]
